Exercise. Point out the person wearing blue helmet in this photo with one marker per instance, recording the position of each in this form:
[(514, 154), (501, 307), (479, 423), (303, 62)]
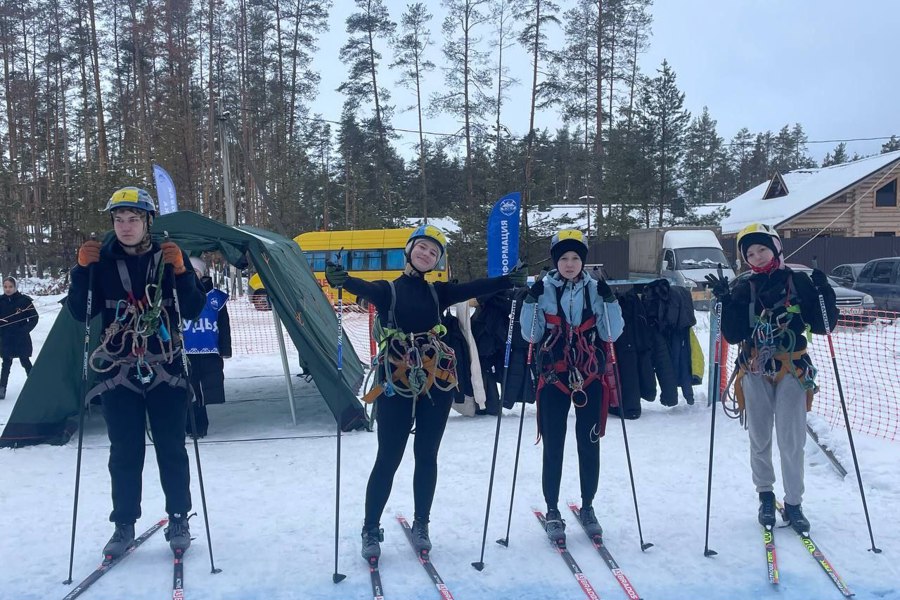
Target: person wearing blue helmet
[(137, 364), (416, 373)]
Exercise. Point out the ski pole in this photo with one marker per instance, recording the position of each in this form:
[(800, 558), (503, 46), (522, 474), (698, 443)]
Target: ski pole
[(82, 402), (512, 494), (611, 349), (716, 367), (337, 577), (187, 394), (479, 564), (837, 379)]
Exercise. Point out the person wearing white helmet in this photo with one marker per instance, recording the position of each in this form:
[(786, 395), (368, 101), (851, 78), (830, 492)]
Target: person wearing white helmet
[(411, 394), (207, 340), (570, 316), (137, 365), (768, 315)]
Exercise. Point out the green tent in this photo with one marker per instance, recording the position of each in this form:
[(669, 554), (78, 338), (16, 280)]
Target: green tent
[(47, 408)]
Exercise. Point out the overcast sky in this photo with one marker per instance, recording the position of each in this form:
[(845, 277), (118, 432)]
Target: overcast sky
[(830, 65)]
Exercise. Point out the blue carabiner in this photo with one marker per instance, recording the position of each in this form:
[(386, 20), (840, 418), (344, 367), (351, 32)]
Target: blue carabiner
[(120, 316)]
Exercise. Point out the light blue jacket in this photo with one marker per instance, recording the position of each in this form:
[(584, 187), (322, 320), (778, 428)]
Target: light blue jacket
[(572, 304)]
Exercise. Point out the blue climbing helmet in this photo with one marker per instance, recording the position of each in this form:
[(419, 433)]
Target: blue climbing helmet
[(131, 197)]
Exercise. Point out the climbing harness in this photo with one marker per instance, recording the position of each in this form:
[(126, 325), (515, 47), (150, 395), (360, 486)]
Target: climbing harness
[(124, 342), (409, 365), (573, 353), (770, 352)]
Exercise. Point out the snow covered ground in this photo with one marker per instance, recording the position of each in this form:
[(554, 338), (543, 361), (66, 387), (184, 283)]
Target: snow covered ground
[(270, 493)]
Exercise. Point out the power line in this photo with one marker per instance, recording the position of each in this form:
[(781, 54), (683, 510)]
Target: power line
[(580, 142)]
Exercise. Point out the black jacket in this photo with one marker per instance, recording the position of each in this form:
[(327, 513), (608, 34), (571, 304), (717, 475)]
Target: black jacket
[(108, 288), (17, 318), (775, 292)]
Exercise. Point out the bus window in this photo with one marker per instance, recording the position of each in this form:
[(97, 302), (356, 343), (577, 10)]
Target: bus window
[(357, 260), (396, 260), (318, 260), (373, 260)]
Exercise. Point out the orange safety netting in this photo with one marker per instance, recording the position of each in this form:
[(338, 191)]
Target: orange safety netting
[(253, 330), (867, 349)]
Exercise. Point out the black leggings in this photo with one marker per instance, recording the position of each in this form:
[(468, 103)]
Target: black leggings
[(394, 418), (7, 365), (554, 414)]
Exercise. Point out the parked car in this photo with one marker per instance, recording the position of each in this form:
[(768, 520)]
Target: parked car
[(846, 274), (880, 278), (851, 303)]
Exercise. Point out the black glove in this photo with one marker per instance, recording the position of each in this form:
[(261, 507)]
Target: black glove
[(335, 274), (819, 279), (718, 285), (605, 291), (519, 275), (535, 291)]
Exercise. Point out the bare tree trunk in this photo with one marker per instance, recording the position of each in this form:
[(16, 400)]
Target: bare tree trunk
[(11, 117), (82, 65), (529, 147), (209, 177), (598, 134), (102, 153)]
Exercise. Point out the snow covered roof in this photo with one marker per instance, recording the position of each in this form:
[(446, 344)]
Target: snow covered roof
[(805, 187)]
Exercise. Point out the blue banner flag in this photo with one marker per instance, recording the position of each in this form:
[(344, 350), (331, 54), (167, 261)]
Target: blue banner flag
[(165, 191), (503, 235)]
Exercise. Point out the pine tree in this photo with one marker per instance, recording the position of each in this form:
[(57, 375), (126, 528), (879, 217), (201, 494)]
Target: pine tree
[(705, 168), (665, 122), (410, 59), (369, 25), (892, 145), (838, 157)]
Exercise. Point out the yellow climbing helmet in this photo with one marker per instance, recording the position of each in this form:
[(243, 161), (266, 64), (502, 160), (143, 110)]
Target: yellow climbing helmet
[(758, 233), (131, 197), (566, 240), (427, 232)]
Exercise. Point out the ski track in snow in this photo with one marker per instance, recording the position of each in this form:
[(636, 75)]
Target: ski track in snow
[(271, 509)]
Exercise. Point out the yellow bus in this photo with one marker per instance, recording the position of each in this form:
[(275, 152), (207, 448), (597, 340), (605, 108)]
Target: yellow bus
[(369, 254)]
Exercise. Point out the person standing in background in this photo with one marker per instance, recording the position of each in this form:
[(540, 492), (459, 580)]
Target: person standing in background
[(207, 340), (17, 318)]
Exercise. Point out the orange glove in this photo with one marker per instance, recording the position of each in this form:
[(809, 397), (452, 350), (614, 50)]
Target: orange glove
[(89, 253), (172, 255)]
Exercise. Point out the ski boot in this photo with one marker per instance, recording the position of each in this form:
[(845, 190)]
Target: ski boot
[(589, 522), (371, 540), (555, 527), (793, 514), (420, 535), (767, 509), (121, 540), (178, 533)]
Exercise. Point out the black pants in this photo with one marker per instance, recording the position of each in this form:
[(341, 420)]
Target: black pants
[(554, 413), (7, 365), (208, 385), (126, 413), (394, 418)]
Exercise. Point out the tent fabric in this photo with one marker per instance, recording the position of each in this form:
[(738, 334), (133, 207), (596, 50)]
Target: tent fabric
[(47, 408)]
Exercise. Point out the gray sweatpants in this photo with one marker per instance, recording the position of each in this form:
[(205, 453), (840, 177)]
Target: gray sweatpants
[(783, 405)]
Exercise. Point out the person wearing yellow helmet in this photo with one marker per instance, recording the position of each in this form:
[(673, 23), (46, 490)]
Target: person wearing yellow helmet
[(416, 374), (768, 315), (570, 316), (133, 281), (425, 247)]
